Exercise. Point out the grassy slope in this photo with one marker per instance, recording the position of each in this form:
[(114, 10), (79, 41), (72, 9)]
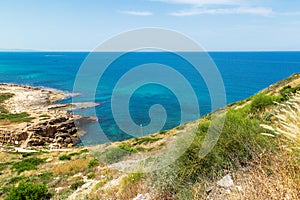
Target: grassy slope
[(253, 147)]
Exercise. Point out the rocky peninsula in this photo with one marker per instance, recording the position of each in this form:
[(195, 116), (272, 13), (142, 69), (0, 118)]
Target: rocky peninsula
[(29, 118)]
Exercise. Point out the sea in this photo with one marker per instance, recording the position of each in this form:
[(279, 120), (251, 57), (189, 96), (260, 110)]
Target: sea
[(242, 74)]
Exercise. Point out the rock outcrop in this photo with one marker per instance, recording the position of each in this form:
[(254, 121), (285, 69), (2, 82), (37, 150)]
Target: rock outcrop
[(51, 126)]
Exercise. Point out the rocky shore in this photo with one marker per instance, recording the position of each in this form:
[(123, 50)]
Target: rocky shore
[(48, 125)]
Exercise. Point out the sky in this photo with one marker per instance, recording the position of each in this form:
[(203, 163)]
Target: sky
[(217, 25)]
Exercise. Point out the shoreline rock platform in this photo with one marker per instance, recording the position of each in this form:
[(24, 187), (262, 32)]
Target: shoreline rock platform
[(51, 125)]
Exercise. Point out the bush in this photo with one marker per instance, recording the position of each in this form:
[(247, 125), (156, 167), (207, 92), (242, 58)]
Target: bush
[(260, 102), (114, 154), (27, 164), (93, 163), (29, 191), (65, 157), (91, 175), (239, 143), (126, 147), (76, 185), (286, 91)]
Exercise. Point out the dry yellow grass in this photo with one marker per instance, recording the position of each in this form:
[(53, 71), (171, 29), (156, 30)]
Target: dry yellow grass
[(287, 119), (270, 177), (71, 167)]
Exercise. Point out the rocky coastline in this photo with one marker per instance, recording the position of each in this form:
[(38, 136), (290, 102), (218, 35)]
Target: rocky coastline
[(48, 125)]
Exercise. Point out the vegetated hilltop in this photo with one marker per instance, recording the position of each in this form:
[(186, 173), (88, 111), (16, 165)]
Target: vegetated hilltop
[(256, 157)]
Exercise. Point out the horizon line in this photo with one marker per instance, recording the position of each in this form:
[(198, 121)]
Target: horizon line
[(87, 51)]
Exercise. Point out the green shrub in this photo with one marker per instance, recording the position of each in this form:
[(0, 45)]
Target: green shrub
[(4, 189), (76, 185), (145, 140), (239, 143), (287, 91), (16, 179), (65, 157), (126, 147), (29, 191), (163, 132), (93, 163), (27, 164), (91, 175), (27, 154), (114, 154), (260, 102), (43, 177)]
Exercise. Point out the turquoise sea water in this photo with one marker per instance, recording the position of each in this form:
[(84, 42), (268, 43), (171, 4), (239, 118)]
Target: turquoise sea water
[(243, 73)]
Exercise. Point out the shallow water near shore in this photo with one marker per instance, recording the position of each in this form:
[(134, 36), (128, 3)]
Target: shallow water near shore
[(243, 73)]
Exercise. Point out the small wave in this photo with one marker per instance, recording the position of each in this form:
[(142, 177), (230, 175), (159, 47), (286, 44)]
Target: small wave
[(53, 55), (66, 94)]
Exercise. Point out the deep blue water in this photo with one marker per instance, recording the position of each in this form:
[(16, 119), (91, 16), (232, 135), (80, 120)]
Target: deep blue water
[(243, 74)]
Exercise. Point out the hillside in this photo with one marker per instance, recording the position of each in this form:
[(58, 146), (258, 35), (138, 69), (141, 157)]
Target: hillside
[(256, 156)]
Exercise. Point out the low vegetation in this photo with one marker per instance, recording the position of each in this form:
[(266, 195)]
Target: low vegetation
[(76, 185), (65, 157), (27, 164), (5, 96), (16, 117), (29, 191)]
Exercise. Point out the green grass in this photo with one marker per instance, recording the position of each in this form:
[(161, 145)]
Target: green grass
[(126, 147), (18, 117), (44, 116), (16, 179), (42, 178), (5, 96), (145, 140), (69, 156), (27, 164), (79, 153)]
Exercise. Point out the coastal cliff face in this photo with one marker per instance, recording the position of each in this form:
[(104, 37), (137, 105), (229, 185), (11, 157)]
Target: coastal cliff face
[(29, 118)]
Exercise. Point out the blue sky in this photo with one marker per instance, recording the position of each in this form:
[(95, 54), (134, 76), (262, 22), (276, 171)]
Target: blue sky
[(226, 25)]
